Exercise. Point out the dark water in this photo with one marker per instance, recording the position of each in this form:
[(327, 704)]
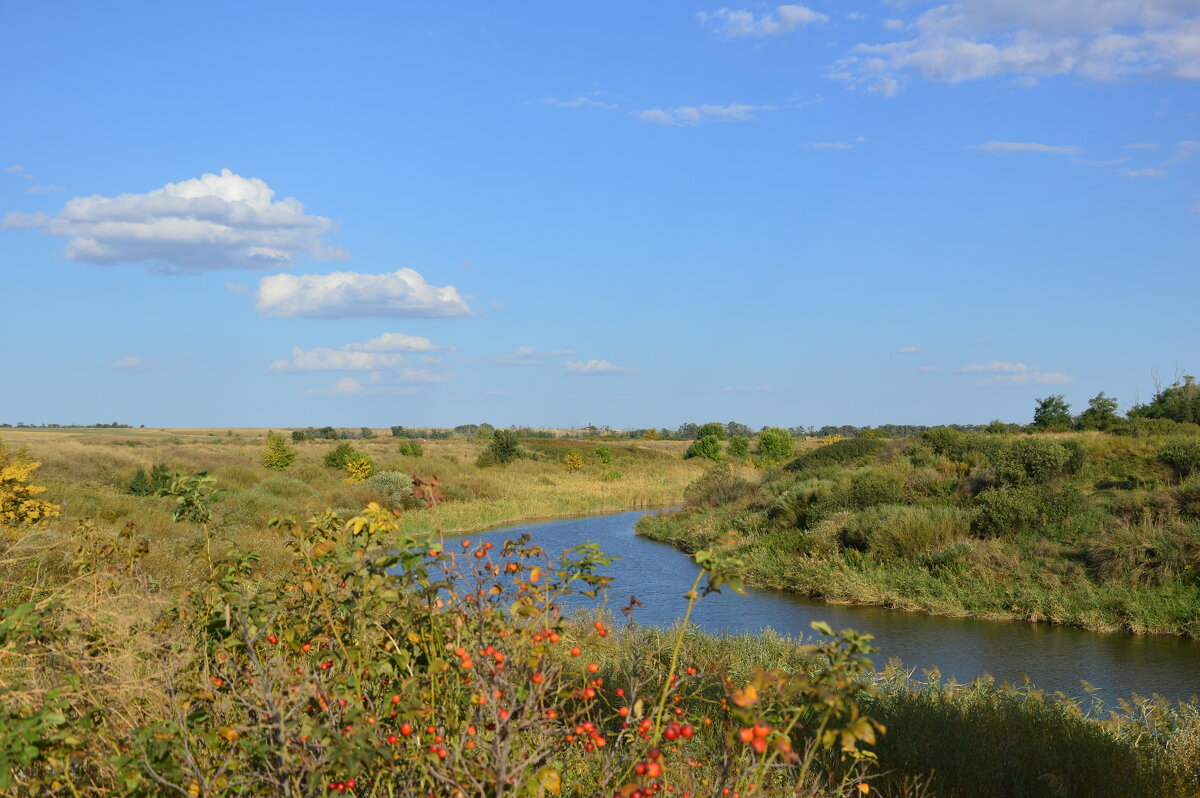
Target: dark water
[(1053, 658)]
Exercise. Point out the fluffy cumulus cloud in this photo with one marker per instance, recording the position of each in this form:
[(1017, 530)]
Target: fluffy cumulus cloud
[(223, 221), (403, 293), (695, 114), (1000, 372), (736, 24), (386, 352), (1031, 39), (594, 368)]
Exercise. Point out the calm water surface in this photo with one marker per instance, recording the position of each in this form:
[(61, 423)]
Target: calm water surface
[(1053, 658)]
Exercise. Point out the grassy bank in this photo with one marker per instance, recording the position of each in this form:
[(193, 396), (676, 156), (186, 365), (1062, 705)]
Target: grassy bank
[(1090, 530)]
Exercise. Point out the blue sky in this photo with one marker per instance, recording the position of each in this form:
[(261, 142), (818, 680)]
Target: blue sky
[(633, 214)]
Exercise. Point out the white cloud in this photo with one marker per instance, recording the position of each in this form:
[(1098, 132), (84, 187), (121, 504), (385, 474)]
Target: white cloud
[(926, 368), (1088, 162), (1152, 173), (893, 24), (237, 288), (403, 293), (398, 342), (581, 101), (1027, 146), (132, 364), (785, 19), (694, 114), (1006, 373), (593, 367), (48, 189), (1141, 146), (346, 386), (836, 145), (14, 169), (1184, 151), (528, 356), (220, 221), (1031, 39), (378, 354), (908, 350)]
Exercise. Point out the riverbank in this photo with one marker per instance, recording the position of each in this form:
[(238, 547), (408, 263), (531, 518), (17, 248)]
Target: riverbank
[(1104, 548)]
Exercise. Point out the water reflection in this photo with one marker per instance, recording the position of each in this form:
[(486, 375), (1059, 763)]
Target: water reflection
[(1054, 658)]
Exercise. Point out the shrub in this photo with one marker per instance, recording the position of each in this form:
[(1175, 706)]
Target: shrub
[(711, 428), (340, 455), (650, 435), (708, 447), (19, 502), (411, 448), (1052, 412), (718, 486), (824, 538), (794, 507), (1033, 460), (839, 452), (920, 455), (774, 445), (573, 461), (611, 475), (143, 485), (395, 487), (903, 532), (603, 454), (505, 446), (1146, 552), (358, 469), (1188, 496), (278, 455), (873, 487), (1003, 511), (943, 440), (1181, 455), (739, 447)]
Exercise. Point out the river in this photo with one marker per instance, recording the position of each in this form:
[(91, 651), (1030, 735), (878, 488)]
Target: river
[(1052, 657)]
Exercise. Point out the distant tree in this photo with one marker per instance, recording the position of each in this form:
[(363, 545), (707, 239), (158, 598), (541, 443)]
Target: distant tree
[(734, 428), (650, 435), (1052, 412), (366, 432), (708, 446), (996, 427), (278, 455), (774, 445), (1179, 402), (340, 455), (505, 446), (1101, 413), (739, 447), (687, 432), (299, 436), (711, 428)]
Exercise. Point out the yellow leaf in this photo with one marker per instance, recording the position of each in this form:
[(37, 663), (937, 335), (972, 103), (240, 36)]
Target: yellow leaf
[(746, 696), (535, 574)]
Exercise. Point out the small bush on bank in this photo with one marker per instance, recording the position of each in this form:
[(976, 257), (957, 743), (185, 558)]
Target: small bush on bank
[(1181, 455), (838, 453)]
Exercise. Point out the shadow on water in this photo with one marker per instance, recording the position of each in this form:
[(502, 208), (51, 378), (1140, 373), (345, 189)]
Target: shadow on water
[(1053, 657)]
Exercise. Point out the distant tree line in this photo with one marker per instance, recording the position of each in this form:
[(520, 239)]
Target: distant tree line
[(110, 425), (332, 434)]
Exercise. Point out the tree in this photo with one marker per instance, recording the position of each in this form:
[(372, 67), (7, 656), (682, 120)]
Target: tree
[(505, 446), (774, 445), (1052, 412), (650, 435), (739, 447), (278, 455), (1101, 413), (603, 454), (708, 446), (734, 429), (1180, 402), (712, 428)]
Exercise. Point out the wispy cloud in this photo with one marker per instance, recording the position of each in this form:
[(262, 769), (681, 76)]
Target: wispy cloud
[(908, 350), (386, 352), (47, 189), (1000, 372), (1151, 173), (695, 114), (582, 101), (594, 368), (132, 364), (736, 23), (528, 356), (1142, 146), (14, 169), (1184, 151), (1027, 146), (836, 145)]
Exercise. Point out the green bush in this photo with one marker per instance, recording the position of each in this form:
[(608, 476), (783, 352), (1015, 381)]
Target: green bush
[(278, 455), (837, 453), (505, 446), (411, 448), (1181, 455), (905, 532), (340, 455), (1033, 460), (739, 447), (717, 487), (711, 428), (943, 440), (148, 485), (708, 447), (1188, 496), (920, 456), (774, 445), (603, 454), (794, 506), (1004, 511), (872, 487)]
